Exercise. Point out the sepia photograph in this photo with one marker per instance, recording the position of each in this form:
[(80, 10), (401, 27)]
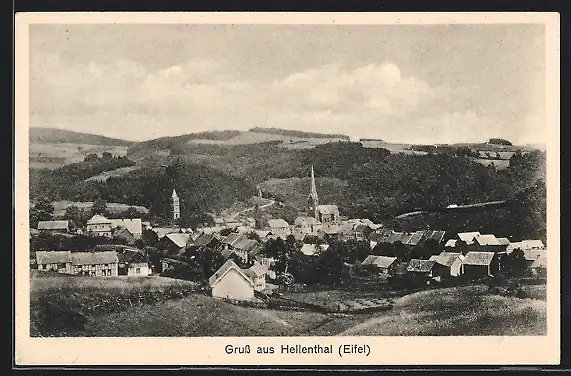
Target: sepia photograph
[(287, 179)]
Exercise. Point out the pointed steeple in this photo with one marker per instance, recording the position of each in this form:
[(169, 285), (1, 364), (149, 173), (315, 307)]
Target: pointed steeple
[(313, 191), (174, 195), (313, 199)]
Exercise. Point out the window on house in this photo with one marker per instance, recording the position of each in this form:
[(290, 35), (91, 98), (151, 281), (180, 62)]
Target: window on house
[(138, 270)]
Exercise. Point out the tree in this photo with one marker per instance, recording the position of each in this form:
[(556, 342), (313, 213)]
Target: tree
[(90, 158), (107, 156), (99, 207), (210, 261), (72, 213), (329, 266), (252, 235), (43, 210), (258, 217), (149, 237), (359, 250)]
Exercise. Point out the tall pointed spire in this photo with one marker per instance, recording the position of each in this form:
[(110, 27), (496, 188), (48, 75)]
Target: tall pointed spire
[(313, 191), (313, 199)]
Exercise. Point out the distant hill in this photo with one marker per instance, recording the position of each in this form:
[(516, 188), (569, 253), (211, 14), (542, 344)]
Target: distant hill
[(52, 136), (293, 133)]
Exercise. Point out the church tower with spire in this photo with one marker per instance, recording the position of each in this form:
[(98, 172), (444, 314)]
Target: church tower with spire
[(313, 200), (175, 206)]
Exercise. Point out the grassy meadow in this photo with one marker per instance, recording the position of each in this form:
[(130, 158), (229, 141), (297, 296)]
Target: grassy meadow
[(172, 308), (467, 310)]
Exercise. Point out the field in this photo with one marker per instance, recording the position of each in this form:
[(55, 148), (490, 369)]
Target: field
[(291, 142), (53, 155), (468, 310), (60, 206), (392, 147), (458, 311), (113, 173)]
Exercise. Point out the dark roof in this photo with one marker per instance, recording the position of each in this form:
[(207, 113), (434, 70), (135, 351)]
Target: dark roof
[(447, 258), (245, 244), (478, 258), (94, 258), (379, 261), (53, 225), (232, 238), (419, 266), (53, 257), (437, 235), (131, 255), (361, 228), (204, 239), (415, 238)]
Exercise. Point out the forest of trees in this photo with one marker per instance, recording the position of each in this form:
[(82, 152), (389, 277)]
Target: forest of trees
[(379, 185)]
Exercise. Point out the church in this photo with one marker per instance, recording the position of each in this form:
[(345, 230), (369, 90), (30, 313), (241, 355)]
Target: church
[(322, 213)]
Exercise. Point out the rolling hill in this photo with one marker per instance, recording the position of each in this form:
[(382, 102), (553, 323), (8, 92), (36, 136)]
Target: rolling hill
[(53, 136), (52, 148)]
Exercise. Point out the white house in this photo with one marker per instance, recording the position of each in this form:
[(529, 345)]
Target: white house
[(98, 225), (278, 226), (231, 282), (257, 274)]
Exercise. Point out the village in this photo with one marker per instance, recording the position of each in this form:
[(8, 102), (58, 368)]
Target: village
[(253, 266)]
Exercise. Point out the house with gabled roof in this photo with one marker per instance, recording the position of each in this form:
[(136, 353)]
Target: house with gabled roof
[(468, 237), (134, 225), (362, 231), (99, 225), (257, 273), (205, 240), (278, 225), (448, 264), (481, 264), (421, 267), (231, 282), (58, 261), (382, 264), (525, 244), (133, 262), (539, 266), (173, 244)]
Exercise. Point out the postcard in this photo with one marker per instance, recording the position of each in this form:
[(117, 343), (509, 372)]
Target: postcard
[(287, 189)]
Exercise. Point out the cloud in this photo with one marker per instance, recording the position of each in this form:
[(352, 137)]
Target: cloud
[(130, 100)]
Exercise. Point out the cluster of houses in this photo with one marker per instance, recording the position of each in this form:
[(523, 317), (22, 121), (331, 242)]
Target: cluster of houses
[(468, 253), (128, 229)]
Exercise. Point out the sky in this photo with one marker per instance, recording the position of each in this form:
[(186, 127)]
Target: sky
[(400, 83)]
